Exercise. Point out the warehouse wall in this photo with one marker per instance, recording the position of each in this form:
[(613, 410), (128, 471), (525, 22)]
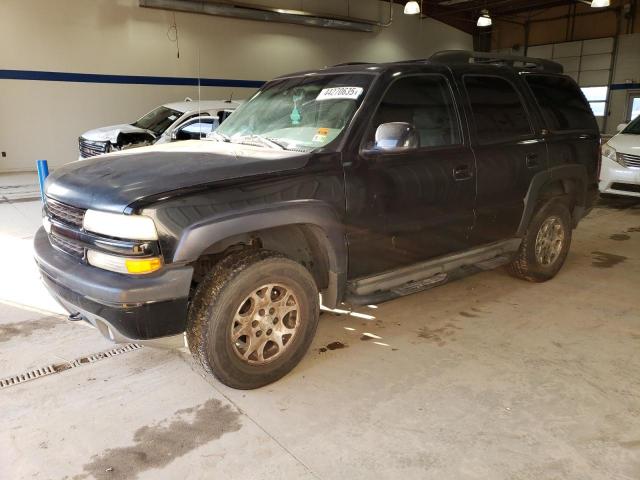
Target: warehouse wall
[(555, 25), (42, 119)]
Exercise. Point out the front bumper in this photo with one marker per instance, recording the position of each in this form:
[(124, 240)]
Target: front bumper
[(122, 307), (614, 176)]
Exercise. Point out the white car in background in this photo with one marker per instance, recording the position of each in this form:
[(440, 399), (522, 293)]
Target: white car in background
[(620, 171), (186, 120)]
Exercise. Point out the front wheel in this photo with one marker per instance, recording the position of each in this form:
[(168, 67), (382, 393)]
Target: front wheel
[(253, 318), (545, 245)]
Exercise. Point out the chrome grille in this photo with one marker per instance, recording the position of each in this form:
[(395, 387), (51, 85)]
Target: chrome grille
[(89, 148), (65, 213), (629, 160), (66, 245)]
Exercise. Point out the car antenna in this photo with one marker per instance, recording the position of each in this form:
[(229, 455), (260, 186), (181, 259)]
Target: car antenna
[(199, 99)]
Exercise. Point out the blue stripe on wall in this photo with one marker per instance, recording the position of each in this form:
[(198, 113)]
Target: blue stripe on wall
[(149, 80), (124, 79), (625, 86)]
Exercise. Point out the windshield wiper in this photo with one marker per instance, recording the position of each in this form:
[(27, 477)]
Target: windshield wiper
[(263, 140), (220, 136)]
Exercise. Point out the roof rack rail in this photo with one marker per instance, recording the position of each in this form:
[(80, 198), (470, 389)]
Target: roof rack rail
[(346, 64), (467, 56)]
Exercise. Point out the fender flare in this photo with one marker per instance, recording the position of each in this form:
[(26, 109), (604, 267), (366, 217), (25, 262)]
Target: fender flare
[(540, 180), (196, 238)]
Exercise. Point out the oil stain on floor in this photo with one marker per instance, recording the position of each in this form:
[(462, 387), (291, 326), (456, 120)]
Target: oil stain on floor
[(27, 328), (332, 346), (606, 260), (620, 237), (439, 335), (158, 445)]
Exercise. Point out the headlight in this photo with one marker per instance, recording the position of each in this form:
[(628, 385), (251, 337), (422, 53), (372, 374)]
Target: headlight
[(610, 152), (130, 227), (136, 266)]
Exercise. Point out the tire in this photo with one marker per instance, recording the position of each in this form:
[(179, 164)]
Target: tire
[(542, 267), (235, 310)]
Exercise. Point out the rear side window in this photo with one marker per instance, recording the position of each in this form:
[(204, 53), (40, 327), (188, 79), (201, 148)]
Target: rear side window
[(425, 101), (562, 103), (498, 111)]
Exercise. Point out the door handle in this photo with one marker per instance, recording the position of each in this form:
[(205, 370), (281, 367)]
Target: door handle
[(462, 172), (532, 160)]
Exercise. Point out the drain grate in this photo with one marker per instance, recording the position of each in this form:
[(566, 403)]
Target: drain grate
[(61, 367)]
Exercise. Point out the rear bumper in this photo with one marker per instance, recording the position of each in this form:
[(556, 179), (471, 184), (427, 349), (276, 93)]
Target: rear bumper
[(121, 307), (618, 180)]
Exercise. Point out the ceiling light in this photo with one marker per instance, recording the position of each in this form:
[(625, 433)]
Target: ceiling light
[(484, 20), (411, 8), (600, 3)]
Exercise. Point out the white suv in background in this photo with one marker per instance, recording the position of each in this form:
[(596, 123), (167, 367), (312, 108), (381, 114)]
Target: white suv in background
[(620, 173), (161, 125)]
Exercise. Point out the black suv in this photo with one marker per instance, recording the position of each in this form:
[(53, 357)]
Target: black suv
[(361, 182)]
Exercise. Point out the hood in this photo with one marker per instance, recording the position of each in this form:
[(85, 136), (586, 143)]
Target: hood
[(626, 143), (112, 182), (110, 134)]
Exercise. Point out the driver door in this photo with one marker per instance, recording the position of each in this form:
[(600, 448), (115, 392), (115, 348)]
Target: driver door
[(408, 206)]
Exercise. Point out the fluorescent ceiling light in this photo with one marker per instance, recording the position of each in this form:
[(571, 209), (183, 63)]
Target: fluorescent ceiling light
[(600, 3), (484, 20), (411, 8)]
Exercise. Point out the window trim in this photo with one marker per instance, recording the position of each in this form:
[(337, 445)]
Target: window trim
[(542, 117), (198, 119), (527, 111), (631, 96), (189, 116), (456, 107)]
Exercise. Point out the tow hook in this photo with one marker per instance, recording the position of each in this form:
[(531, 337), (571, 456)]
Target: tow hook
[(75, 317)]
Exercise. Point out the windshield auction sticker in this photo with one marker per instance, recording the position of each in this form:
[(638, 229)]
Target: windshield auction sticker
[(351, 93)]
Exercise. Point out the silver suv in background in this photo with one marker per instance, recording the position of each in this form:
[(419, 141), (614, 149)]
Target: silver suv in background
[(161, 125)]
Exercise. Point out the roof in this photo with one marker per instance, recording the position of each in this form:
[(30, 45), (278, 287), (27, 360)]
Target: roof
[(194, 105), (450, 58)]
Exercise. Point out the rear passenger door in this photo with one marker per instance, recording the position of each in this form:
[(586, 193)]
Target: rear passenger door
[(509, 152)]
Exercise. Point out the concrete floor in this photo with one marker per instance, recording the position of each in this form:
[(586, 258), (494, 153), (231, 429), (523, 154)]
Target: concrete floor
[(485, 378)]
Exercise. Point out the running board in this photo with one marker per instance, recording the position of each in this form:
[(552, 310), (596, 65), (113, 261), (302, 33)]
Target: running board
[(425, 275)]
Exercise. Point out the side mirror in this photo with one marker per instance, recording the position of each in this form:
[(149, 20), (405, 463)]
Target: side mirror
[(396, 136), (621, 126)]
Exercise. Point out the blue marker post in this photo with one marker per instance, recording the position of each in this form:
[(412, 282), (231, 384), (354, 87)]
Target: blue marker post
[(43, 173)]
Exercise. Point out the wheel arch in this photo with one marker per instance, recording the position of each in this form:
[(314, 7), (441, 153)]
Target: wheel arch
[(308, 231), (569, 181)]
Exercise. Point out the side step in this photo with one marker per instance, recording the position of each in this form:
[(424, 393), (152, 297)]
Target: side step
[(425, 275)]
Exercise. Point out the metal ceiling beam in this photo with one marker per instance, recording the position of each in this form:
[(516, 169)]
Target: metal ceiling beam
[(265, 14)]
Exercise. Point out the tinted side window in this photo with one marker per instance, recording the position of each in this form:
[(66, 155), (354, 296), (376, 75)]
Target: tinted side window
[(562, 103), (497, 108), (424, 101)]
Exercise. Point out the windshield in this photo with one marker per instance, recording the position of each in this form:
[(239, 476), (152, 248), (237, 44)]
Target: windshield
[(301, 113), (634, 127), (158, 120)]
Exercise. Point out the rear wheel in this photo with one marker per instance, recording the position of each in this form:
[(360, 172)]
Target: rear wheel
[(545, 245), (253, 318)]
